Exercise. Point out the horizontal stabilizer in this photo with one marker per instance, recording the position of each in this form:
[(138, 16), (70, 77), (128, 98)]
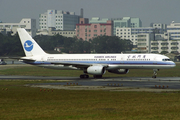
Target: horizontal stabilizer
[(27, 59)]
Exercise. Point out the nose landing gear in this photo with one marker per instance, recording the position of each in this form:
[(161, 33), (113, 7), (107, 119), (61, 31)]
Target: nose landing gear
[(155, 73)]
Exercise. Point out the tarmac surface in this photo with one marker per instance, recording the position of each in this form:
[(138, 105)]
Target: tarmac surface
[(159, 84)]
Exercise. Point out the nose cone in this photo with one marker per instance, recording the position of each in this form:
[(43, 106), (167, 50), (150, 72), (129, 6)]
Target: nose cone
[(173, 64)]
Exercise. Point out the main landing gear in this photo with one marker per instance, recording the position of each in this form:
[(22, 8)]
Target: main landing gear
[(87, 76), (97, 76), (155, 73), (84, 76)]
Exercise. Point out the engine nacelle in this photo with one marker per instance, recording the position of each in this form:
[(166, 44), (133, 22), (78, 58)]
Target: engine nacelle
[(119, 71), (96, 70)]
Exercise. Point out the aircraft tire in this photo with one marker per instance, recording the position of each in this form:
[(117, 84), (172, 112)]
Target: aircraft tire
[(154, 76), (84, 76), (97, 76)]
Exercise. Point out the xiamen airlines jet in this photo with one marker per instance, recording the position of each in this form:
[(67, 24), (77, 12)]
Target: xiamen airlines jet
[(93, 64)]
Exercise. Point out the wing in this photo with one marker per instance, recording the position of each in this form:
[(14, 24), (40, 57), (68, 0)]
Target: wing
[(78, 64)]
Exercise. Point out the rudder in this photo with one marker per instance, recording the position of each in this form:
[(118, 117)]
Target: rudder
[(30, 47)]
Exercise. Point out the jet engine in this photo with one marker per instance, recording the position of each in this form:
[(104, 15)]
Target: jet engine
[(119, 71), (96, 70)]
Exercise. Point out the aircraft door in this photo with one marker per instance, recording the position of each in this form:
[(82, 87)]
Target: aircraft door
[(122, 60), (155, 62), (43, 59)]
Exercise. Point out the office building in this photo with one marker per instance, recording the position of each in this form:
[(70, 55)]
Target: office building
[(60, 20), (126, 22)]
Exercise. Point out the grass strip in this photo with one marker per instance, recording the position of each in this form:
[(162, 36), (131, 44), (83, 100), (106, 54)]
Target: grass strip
[(20, 102), (39, 71)]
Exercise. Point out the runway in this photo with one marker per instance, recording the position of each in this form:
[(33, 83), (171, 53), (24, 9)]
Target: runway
[(123, 83)]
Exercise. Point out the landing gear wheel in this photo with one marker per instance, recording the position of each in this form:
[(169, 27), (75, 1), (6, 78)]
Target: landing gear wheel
[(154, 76), (155, 73), (97, 76), (84, 76)]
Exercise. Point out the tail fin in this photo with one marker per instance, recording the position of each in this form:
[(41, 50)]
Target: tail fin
[(31, 48)]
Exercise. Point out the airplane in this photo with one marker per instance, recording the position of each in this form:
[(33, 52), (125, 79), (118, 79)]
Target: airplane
[(93, 64)]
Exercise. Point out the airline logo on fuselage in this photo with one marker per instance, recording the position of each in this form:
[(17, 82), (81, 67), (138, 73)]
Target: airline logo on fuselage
[(136, 56), (28, 45), (104, 56)]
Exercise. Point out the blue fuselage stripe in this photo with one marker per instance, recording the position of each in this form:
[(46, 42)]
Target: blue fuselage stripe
[(106, 62)]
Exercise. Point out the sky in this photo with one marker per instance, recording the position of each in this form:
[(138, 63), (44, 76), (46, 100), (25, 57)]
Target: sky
[(149, 11)]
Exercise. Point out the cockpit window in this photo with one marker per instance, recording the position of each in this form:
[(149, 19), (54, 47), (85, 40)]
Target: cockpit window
[(166, 60)]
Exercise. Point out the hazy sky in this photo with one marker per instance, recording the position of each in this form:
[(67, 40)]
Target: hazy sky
[(157, 11)]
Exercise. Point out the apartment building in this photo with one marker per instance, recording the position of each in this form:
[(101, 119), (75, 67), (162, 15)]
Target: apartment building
[(96, 27)]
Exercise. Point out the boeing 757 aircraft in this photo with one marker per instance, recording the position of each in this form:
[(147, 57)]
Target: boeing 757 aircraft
[(94, 64)]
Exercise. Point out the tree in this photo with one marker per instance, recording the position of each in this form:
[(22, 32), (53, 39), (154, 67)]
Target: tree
[(110, 44), (68, 45), (44, 41), (87, 47), (10, 46)]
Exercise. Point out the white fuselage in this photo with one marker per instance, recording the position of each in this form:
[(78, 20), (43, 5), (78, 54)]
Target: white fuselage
[(112, 61)]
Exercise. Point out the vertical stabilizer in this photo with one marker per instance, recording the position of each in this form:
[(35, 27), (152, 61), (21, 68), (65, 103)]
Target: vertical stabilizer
[(31, 48)]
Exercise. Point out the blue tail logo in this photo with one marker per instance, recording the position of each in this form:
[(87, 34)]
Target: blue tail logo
[(28, 45)]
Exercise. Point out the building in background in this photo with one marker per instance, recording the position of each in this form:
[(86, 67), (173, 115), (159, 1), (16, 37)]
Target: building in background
[(131, 33), (174, 31), (159, 27), (96, 27), (53, 31), (126, 22), (96, 20), (27, 23), (160, 43), (3, 31), (60, 20), (159, 38), (167, 41), (144, 42)]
